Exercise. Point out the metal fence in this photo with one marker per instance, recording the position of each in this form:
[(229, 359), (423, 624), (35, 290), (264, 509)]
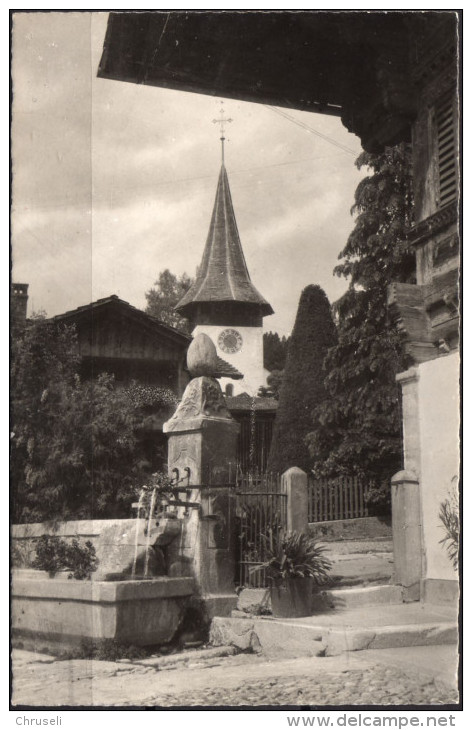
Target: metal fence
[(341, 498), (261, 508)]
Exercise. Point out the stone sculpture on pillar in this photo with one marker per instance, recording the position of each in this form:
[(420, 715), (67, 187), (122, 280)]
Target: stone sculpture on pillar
[(202, 444)]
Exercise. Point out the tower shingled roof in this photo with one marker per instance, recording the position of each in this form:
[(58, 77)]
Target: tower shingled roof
[(223, 275)]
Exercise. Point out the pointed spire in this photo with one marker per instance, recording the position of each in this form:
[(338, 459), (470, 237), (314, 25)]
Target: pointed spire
[(223, 275), (222, 121)]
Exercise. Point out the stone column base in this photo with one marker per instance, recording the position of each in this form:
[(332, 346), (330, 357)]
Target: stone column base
[(439, 590)]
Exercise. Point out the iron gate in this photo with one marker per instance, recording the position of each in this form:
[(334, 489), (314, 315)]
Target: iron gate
[(261, 508)]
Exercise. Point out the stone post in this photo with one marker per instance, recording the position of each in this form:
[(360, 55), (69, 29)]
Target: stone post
[(407, 537), (406, 502), (202, 451), (295, 486), (409, 381)]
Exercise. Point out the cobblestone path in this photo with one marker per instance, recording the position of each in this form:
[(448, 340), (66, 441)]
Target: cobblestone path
[(377, 685), (402, 677)]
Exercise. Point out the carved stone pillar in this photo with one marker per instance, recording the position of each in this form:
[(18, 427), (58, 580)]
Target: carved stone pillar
[(202, 448)]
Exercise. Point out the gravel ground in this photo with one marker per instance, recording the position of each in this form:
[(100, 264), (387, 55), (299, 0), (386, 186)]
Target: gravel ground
[(377, 685)]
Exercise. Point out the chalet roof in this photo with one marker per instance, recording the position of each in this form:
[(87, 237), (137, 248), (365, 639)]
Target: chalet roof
[(114, 302), (224, 369), (223, 275)]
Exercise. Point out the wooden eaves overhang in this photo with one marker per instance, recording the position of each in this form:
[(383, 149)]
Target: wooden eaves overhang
[(352, 64)]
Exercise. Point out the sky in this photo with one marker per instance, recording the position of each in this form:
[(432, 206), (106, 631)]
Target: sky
[(114, 182)]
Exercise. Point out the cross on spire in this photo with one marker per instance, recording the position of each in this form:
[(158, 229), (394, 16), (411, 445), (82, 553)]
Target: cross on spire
[(222, 121)]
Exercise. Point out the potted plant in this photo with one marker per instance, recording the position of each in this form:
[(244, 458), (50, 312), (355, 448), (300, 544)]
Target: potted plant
[(295, 563), (449, 516)]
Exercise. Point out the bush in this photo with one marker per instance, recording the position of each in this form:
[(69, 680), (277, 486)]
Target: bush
[(81, 561), (378, 498), (449, 516), (74, 447), (54, 554), (294, 555), (50, 554)]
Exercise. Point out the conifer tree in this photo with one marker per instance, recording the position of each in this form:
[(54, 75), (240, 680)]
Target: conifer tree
[(302, 387), (357, 430), (275, 350)]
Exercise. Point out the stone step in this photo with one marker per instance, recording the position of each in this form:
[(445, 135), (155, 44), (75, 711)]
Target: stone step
[(337, 631), (337, 641), (250, 600), (272, 637), (370, 596)]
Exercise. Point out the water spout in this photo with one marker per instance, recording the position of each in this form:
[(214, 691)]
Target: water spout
[(148, 533), (136, 536)]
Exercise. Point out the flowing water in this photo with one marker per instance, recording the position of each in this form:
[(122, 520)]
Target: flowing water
[(148, 533), (252, 463), (136, 536), (252, 443)]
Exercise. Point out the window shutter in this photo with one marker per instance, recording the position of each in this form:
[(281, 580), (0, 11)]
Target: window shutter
[(447, 165)]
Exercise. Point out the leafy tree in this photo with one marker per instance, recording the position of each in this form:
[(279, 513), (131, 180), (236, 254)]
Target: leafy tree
[(302, 388), (168, 290), (357, 429), (275, 350), (74, 453), (41, 355)]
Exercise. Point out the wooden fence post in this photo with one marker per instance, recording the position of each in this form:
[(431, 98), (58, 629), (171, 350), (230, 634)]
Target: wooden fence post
[(295, 486)]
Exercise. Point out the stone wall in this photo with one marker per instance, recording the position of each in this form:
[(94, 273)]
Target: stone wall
[(439, 455), (23, 536), (431, 418)]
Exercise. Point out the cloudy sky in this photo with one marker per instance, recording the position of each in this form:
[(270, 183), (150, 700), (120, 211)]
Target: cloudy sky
[(114, 182)]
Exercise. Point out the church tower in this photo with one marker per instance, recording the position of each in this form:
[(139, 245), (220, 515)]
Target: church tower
[(223, 302)]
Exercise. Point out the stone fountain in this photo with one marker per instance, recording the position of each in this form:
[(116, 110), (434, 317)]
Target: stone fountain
[(153, 567)]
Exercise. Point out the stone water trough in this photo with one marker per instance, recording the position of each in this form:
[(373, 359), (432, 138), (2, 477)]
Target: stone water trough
[(113, 604)]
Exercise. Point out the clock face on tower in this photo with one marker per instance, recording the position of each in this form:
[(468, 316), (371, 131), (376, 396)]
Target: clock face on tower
[(230, 341)]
